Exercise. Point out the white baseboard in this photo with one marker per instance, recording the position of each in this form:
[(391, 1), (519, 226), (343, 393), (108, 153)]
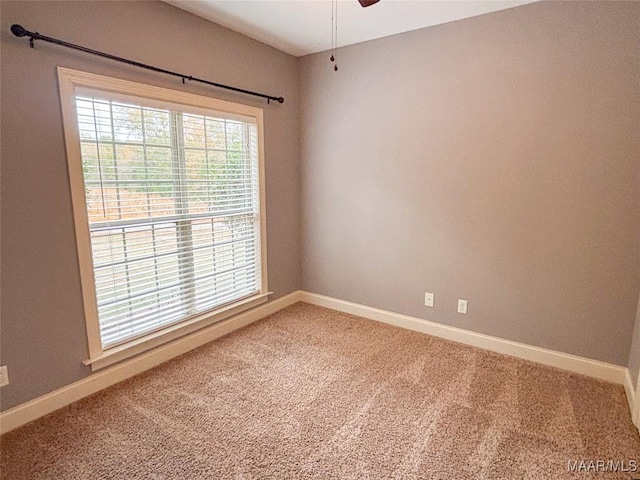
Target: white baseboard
[(635, 406), (631, 397), (38, 407), (573, 363)]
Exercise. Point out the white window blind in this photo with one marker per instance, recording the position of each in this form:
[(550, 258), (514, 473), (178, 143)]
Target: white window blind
[(172, 197)]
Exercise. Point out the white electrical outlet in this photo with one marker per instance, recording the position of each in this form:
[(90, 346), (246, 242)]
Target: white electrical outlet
[(462, 306), (428, 299), (4, 376)]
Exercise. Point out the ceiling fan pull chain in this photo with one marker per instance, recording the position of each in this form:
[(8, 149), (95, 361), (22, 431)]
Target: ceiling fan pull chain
[(335, 48), (332, 58)]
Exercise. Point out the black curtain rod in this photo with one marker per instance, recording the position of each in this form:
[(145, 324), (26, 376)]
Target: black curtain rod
[(20, 31)]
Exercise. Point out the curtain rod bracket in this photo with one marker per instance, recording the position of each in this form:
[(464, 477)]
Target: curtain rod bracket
[(20, 31)]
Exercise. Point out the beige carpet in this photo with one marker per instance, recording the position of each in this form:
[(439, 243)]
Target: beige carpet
[(312, 393)]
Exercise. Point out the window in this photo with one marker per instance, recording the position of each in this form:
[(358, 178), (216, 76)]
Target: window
[(168, 203)]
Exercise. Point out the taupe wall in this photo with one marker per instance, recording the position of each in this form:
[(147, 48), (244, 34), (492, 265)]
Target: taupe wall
[(493, 159), (43, 330)]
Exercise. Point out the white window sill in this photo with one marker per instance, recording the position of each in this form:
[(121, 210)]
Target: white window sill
[(166, 335)]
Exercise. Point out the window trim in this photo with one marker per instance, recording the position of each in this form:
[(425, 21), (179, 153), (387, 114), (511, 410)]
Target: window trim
[(69, 80)]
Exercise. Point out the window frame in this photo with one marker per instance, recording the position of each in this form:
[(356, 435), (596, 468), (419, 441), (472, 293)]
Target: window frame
[(69, 80)]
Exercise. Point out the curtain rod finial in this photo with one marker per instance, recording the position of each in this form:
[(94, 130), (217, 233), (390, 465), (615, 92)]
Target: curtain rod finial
[(18, 30)]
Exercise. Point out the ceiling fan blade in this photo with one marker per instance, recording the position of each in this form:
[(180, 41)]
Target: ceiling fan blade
[(367, 3)]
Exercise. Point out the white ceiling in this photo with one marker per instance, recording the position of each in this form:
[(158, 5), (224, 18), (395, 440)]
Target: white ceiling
[(301, 27)]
